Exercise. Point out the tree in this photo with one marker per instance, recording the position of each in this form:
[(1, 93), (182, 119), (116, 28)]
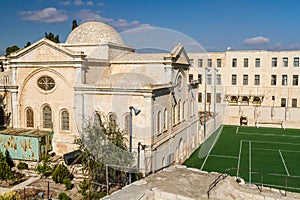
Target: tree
[(74, 24), (104, 144), (27, 44), (12, 49), (50, 36)]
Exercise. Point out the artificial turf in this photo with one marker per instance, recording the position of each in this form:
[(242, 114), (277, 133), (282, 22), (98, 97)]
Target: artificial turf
[(268, 156)]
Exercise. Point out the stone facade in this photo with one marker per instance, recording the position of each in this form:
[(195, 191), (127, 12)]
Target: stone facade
[(62, 87), (258, 84)]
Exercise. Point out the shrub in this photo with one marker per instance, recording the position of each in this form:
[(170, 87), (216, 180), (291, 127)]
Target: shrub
[(63, 196), (22, 165), (83, 187), (45, 169), (10, 196), (5, 170), (67, 182), (60, 173)]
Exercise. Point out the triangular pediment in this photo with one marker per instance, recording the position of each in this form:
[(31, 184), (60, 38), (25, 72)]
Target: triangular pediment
[(179, 55), (44, 50)]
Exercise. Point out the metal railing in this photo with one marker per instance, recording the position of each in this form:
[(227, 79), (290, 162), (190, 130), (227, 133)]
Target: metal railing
[(290, 183)]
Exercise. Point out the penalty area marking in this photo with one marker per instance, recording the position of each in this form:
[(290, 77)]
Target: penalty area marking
[(238, 167), (282, 159), (223, 156), (212, 146)]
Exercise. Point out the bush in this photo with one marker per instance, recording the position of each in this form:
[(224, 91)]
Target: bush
[(67, 182), (5, 170), (83, 187), (60, 173), (45, 169), (22, 165), (10, 196), (63, 196)]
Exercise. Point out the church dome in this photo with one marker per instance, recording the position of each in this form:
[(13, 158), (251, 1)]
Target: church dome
[(94, 33)]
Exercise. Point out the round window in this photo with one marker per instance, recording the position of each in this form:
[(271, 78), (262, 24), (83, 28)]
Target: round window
[(46, 83)]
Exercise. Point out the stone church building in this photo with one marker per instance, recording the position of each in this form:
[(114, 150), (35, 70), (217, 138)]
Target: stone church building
[(58, 88)]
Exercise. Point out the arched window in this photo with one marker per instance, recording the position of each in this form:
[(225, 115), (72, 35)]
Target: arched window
[(182, 113), (97, 119), (127, 123), (47, 117), (174, 115), (165, 119), (65, 121), (112, 120), (29, 118), (178, 111), (158, 122)]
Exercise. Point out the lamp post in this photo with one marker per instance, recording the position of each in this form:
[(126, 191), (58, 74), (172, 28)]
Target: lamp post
[(205, 99), (136, 112), (215, 82)]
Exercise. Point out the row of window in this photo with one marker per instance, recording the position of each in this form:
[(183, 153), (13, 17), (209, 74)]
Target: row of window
[(209, 62), (208, 97), (285, 62), (209, 79), (47, 118), (178, 115), (284, 102), (284, 79)]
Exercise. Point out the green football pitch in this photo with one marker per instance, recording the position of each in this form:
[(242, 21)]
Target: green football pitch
[(262, 156)]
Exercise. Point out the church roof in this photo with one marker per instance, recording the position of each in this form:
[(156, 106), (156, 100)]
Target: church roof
[(94, 33)]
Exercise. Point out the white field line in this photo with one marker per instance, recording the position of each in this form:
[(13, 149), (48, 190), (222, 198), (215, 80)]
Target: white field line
[(287, 172), (284, 150), (258, 141), (212, 146), (238, 166), (237, 130), (224, 156), (268, 134)]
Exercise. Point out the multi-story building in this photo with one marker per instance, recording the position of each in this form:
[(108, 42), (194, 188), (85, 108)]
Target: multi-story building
[(261, 85)]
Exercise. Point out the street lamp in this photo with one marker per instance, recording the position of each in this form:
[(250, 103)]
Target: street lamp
[(215, 82), (136, 112), (205, 99)]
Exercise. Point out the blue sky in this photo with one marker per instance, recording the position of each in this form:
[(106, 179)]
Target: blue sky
[(215, 24)]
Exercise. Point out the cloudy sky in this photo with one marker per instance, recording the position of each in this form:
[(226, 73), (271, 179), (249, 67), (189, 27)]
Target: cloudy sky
[(215, 24)]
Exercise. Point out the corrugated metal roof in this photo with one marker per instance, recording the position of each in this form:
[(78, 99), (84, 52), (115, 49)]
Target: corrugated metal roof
[(25, 132)]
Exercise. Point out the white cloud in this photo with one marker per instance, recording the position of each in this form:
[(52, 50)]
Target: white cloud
[(78, 2), (121, 24), (89, 3), (87, 15), (48, 15), (256, 41), (65, 3)]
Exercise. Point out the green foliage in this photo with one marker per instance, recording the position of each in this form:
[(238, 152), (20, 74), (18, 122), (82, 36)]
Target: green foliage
[(63, 196), (50, 36), (83, 187), (67, 182), (5, 170), (60, 173), (45, 169), (108, 146), (22, 165), (12, 49), (10, 196)]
